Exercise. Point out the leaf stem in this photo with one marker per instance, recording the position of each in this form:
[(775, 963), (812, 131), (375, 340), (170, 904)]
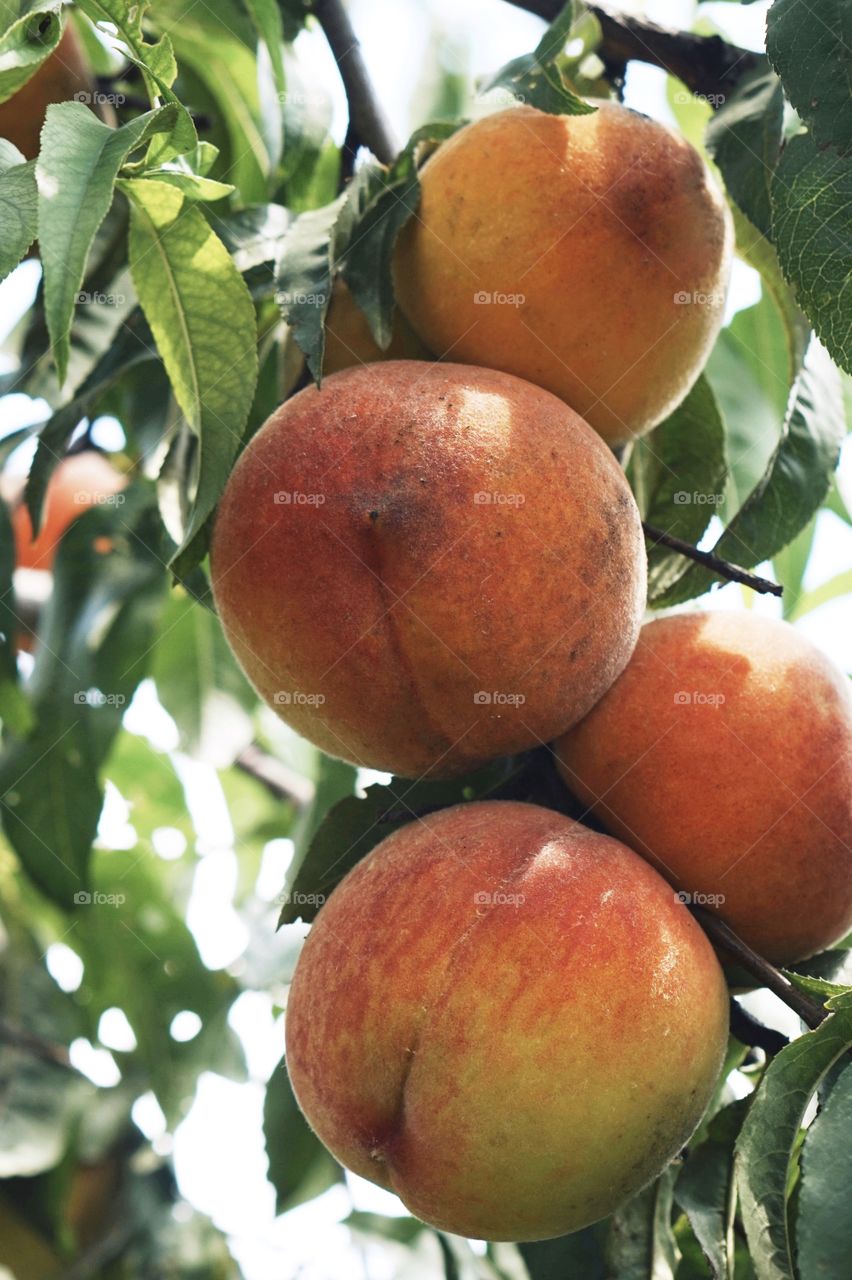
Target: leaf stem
[(722, 568)]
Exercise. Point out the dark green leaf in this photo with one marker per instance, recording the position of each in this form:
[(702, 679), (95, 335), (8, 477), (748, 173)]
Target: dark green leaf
[(770, 1132), (810, 50), (303, 279), (580, 1256), (536, 78), (299, 1165), (30, 30), (18, 207), (812, 230), (704, 1188), (641, 1243), (744, 137), (823, 1222)]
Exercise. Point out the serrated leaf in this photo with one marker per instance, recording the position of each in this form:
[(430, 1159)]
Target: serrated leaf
[(823, 1223), (76, 170), (30, 30), (536, 78), (744, 137), (812, 230), (810, 50), (202, 318), (771, 1129), (678, 474), (18, 212), (795, 483), (300, 1167), (704, 1188), (303, 279), (641, 1245)]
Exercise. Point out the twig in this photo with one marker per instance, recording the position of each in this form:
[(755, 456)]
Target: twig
[(722, 568), (749, 1031), (29, 1042), (724, 938), (708, 65), (367, 121), (283, 783)]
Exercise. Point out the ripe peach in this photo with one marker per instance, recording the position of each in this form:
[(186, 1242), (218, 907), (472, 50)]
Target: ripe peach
[(349, 342), (589, 254), (80, 481), (507, 1019), (63, 75), (724, 755), (424, 566)]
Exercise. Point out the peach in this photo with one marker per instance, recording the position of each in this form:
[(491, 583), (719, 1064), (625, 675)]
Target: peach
[(348, 340), (507, 1019), (425, 566), (589, 254), (723, 754), (80, 481), (62, 76)]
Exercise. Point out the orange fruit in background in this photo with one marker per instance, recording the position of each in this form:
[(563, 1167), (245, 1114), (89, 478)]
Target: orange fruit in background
[(79, 482)]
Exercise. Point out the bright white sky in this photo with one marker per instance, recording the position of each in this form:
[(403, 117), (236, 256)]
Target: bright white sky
[(218, 1149)]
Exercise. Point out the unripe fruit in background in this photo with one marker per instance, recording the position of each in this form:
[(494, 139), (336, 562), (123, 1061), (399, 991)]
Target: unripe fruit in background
[(79, 482), (62, 76), (724, 755), (506, 1019), (349, 342), (589, 254), (425, 566)]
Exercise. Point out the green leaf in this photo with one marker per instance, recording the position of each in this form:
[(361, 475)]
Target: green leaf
[(796, 480), (76, 170), (15, 710), (835, 587), (536, 78), (580, 1256), (335, 840), (812, 229), (641, 1244), (678, 475), (744, 138), (202, 318), (266, 17), (379, 203), (765, 1146), (30, 30), (758, 252), (810, 51), (704, 1189), (300, 1167), (303, 278), (823, 1222), (18, 207), (192, 185), (133, 345)]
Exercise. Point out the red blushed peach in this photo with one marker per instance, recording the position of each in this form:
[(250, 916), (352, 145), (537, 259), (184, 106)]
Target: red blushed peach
[(424, 566), (589, 254), (724, 755), (507, 1019)]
